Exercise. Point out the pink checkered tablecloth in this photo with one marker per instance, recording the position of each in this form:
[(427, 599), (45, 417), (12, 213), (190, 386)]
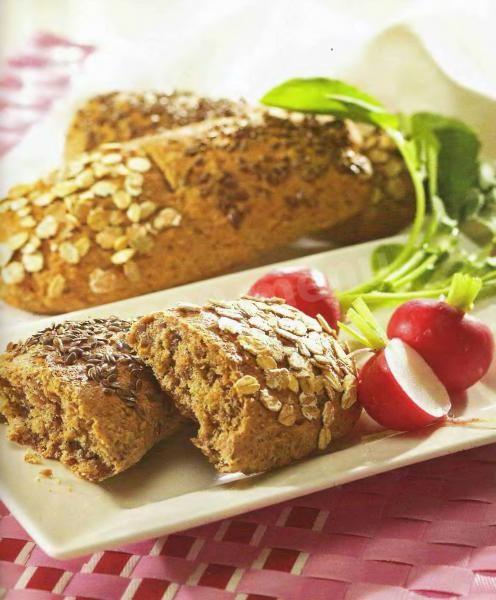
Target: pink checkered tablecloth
[(423, 531)]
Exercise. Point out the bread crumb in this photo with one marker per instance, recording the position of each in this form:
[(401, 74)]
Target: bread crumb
[(46, 473), (33, 458)]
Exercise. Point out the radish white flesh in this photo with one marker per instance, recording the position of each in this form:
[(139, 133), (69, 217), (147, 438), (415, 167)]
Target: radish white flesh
[(400, 390), (417, 379)]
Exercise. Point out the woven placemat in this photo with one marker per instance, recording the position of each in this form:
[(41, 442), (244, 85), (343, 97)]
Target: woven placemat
[(421, 531)]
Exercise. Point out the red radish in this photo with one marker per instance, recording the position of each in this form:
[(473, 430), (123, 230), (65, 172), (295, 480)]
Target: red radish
[(396, 386), (399, 389), (304, 288), (459, 348)]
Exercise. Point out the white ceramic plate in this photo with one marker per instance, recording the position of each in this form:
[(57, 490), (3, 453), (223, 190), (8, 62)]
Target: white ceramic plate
[(174, 487)]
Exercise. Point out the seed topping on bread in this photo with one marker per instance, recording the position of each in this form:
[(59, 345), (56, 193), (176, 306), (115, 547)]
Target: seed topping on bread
[(295, 353), (99, 345), (101, 191)]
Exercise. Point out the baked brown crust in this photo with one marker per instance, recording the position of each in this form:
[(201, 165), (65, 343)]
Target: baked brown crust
[(77, 393), (161, 211), (391, 205), (123, 116), (266, 383)]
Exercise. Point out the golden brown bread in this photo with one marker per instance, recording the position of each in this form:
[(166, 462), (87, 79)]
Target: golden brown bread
[(156, 212), (266, 383), (76, 392), (123, 116), (391, 205)]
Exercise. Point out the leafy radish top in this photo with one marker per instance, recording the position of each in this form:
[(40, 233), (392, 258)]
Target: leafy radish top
[(450, 184)]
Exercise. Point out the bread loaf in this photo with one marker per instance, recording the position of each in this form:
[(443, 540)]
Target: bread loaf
[(156, 212), (122, 116), (76, 392), (266, 384)]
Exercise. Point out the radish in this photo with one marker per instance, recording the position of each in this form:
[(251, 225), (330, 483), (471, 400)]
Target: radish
[(459, 348), (396, 386), (301, 287), (399, 390)]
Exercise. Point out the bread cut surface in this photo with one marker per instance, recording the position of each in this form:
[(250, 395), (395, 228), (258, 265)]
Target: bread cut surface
[(266, 384), (76, 392), (157, 212)]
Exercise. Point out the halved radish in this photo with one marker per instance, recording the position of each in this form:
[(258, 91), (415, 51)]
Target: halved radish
[(396, 386), (458, 347), (399, 389)]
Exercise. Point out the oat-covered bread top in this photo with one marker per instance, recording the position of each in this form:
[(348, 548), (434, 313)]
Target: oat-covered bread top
[(266, 383), (122, 116), (131, 218), (83, 224), (294, 354)]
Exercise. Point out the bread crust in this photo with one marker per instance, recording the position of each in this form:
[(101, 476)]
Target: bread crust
[(123, 116), (391, 205), (76, 393), (266, 384), (165, 210)]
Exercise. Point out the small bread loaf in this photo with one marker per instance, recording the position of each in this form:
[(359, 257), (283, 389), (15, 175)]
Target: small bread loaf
[(266, 383), (123, 116), (156, 212), (76, 392)]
